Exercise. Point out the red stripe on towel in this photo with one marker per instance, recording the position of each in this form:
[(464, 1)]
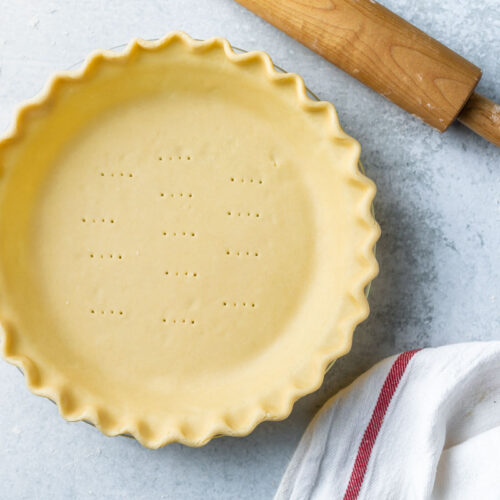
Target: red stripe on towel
[(369, 437)]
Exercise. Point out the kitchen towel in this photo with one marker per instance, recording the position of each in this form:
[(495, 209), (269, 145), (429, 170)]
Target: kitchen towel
[(421, 425)]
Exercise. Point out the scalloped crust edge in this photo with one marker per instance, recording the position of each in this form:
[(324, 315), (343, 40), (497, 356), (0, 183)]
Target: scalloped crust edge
[(310, 378)]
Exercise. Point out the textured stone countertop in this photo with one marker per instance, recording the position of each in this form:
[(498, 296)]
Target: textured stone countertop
[(438, 204)]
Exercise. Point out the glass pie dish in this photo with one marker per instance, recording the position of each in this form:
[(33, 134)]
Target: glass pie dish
[(185, 241)]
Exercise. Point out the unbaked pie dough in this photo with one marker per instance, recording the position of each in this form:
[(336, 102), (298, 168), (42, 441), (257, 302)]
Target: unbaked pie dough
[(185, 238)]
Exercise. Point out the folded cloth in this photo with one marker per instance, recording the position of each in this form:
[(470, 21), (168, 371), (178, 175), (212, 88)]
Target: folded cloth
[(421, 425)]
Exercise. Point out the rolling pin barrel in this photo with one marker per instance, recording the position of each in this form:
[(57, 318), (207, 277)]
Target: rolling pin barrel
[(384, 52)]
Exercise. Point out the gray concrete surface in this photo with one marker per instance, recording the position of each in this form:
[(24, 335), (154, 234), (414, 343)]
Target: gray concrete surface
[(438, 206)]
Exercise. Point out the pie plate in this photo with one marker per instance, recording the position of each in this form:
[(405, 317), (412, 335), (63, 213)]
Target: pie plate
[(185, 240)]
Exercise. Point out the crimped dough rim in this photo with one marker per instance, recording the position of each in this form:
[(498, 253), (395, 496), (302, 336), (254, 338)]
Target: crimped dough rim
[(291, 390)]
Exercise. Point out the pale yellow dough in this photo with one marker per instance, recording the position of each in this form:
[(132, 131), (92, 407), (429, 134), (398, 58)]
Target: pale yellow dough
[(185, 239)]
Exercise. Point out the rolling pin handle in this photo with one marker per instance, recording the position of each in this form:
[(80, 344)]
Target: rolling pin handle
[(482, 116)]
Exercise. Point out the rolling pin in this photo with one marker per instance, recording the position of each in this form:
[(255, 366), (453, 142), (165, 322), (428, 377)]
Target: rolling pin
[(391, 56)]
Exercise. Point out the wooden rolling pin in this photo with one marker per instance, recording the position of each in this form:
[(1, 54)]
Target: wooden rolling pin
[(391, 56)]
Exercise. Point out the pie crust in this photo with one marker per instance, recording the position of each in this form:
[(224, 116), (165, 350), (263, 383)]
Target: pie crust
[(185, 240)]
